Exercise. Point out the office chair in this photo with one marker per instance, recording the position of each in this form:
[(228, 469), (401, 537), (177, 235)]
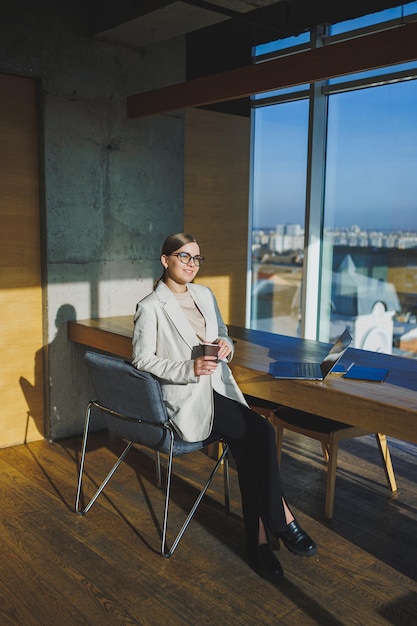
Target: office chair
[(328, 432), (132, 406)]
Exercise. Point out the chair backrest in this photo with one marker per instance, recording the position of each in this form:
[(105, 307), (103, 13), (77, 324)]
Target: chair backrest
[(120, 387)]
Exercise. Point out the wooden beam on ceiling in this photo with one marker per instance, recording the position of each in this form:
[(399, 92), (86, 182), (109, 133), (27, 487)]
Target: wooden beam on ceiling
[(381, 49)]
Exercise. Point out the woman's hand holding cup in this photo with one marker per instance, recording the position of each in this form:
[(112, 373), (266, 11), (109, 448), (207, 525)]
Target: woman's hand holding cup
[(206, 364)]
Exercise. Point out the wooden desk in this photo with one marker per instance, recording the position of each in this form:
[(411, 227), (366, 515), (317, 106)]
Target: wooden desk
[(108, 334), (389, 407)]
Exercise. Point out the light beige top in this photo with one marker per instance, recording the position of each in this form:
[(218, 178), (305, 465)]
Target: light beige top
[(192, 313)]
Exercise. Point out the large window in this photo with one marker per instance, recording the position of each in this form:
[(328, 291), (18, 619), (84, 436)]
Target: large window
[(365, 273), (279, 190), (370, 228)]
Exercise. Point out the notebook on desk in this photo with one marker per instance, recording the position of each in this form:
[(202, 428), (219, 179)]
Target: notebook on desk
[(313, 370), (363, 372)]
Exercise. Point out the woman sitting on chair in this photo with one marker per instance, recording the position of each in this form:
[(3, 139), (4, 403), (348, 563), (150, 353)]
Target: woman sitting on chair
[(202, 397)]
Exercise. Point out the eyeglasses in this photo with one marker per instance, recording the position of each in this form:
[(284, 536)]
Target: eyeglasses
[(185, 258)]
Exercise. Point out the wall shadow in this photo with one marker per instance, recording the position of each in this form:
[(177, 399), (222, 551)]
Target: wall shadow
[(36, 394)]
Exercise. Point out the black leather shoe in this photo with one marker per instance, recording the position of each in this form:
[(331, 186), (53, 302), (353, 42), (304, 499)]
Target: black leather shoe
[(268, 566), (297, 540)]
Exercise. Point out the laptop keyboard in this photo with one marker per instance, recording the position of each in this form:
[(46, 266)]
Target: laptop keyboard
[(309, 370)]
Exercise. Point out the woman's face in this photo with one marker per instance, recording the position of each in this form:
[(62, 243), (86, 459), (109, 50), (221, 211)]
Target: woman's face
[(176, 270)]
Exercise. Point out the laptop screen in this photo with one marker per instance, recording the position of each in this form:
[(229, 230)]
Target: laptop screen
[(336, 352)]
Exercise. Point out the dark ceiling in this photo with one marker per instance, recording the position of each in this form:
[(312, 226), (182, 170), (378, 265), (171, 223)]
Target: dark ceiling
[(143, 22), (219, 34)]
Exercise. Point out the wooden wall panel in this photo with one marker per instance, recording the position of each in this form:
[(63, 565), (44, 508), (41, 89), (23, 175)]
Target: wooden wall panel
[(216, 203), (21, 365)]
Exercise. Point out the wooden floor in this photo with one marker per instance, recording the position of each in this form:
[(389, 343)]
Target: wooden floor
[(58, 568)]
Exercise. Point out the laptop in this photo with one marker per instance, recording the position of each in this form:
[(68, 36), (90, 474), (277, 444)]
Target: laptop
[(311, 370)]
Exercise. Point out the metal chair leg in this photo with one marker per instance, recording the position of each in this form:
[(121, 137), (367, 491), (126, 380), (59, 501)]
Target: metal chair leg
[(165, 550), (158, 468), (226, 479), (82, 463)]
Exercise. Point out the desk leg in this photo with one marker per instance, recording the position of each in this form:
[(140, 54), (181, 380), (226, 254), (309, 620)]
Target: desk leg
[(386, 460), (333, 449)]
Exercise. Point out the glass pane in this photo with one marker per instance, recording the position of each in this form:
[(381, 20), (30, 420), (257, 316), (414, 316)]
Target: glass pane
[(278, 212), (394, 13), (366, 20), (281, 44), (410, 8), (382, 71), (369, 271), (279, 92)]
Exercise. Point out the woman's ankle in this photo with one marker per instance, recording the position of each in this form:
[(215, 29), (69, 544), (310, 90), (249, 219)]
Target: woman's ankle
[(289, 517)]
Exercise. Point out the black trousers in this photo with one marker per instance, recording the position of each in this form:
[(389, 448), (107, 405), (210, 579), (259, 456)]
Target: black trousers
[(251, 440)]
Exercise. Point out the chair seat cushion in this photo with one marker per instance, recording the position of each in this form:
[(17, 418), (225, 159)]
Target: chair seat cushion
[(132, 405), (260, 403)]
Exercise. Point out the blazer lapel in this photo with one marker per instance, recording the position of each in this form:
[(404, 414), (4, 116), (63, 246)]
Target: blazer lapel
[(173, 310)]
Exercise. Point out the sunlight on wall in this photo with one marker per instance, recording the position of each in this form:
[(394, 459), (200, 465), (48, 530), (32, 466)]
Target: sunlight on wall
[(120, 297), (220, 286), (77, 295)]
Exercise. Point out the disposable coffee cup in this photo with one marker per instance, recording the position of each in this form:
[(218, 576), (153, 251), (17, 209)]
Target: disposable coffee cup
[(210, 349)]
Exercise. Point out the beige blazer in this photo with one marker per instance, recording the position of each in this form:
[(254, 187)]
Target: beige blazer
[(164, 344)]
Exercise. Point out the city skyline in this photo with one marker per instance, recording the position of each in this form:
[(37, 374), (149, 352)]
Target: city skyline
[(290, 237)]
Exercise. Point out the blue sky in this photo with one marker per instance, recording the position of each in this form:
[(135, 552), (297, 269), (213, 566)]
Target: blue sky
[(280, 163), (372, 157), (371, 160)]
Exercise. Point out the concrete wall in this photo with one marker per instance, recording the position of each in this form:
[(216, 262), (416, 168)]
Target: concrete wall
[(112, 188)]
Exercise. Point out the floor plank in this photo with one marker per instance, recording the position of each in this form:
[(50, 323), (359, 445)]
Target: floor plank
[(105, 568)]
